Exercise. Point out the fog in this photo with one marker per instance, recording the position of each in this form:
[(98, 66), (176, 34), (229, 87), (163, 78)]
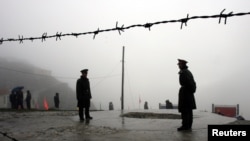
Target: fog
[(217, 53)]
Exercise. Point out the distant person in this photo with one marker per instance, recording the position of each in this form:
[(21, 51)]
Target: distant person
[(169, 105), (28, 99), (111, 106), (19, 94), (13, 100), (83, 95), (146, 105), (186, 102), (56, 100)]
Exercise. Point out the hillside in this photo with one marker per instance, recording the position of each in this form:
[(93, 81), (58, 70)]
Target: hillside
[(40, 82)]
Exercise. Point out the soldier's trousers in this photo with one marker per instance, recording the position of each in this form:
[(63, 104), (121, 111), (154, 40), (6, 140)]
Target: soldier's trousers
[(80, 111), (187, 118)]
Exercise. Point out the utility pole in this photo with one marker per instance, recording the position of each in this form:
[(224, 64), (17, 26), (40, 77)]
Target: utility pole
[(122, 97)]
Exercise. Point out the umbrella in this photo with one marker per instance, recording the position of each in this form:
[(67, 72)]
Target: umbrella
[(17, 88)]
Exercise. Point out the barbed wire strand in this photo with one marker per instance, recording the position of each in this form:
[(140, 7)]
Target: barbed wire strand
[(120, 29)]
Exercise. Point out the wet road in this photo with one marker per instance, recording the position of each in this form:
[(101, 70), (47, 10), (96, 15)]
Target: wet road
[(106, 125)]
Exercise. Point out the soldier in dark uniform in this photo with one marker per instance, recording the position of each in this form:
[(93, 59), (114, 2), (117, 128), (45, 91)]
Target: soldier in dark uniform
[(169, 105), (146, 105), (111, 106), (20, 98), (28, 99), (56, 100), (186, 102), (83, 95), (13, 100)]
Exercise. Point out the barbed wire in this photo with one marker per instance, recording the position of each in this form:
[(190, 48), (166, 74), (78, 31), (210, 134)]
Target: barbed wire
[(122, 28)]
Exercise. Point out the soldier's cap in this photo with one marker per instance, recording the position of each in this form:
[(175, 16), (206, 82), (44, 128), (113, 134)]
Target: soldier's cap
[(181, 61), (84, 71)]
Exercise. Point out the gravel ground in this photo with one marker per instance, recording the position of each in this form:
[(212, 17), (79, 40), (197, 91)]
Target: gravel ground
[(63, 125), (47, 126)]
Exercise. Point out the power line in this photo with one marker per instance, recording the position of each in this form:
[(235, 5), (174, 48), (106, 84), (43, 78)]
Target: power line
[(120, 29), (106, 76), (59, 77)]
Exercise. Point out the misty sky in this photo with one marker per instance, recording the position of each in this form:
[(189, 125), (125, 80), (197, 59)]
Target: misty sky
[(218, 54)]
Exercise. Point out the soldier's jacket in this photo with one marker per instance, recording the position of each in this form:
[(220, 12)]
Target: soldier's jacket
[(83, 93), (187, 90)]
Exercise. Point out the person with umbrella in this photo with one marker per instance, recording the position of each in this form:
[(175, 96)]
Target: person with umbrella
[(13, 100), (19, 97), (16, 97)]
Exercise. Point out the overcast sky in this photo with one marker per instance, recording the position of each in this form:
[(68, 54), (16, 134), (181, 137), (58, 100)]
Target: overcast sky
[(218, 54)]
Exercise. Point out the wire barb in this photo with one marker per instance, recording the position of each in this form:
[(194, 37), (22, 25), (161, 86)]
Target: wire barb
[(75, 34), (44, 36), (1, 41), (225, 16), (184, 21), (31, 38), (96, 32), (58, 36), (148, 25), (229, 15), (119, 29), (20, 38)]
